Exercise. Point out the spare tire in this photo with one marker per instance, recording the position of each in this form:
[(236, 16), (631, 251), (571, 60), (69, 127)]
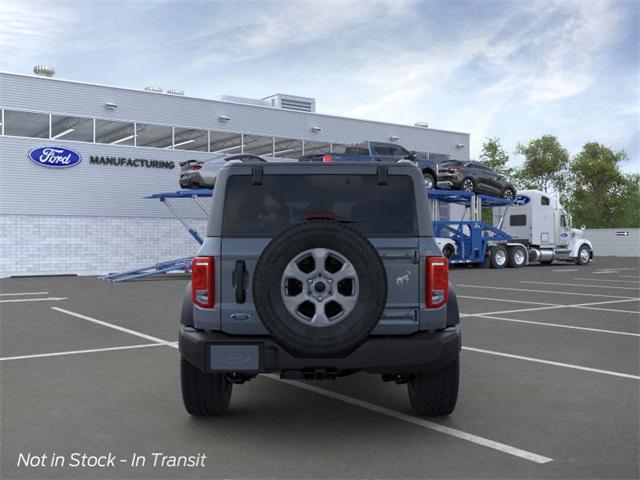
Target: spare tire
[(320, 288)]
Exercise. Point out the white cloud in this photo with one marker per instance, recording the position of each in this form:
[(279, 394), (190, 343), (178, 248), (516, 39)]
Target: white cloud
[(28, 28)]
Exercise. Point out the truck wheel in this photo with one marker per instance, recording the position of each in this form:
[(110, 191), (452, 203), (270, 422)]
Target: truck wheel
[(204, 394), (517, 257), (320, 288), (429, 181), (435, 393), (498, 257), (584, 255)]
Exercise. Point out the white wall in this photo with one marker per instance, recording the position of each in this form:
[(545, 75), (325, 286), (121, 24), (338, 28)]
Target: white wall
[(610, 242), (53, 245)]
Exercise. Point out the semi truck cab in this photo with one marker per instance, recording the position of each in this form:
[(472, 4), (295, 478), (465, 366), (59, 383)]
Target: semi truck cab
[(538, 221)]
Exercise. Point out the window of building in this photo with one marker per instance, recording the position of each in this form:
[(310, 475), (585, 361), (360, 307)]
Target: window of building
[(338, 147), (224, 142), (71, 128), (287, 148), (316, 148), (518, 220), (258, 145), (157, 136), (191, 139), (26, 124), (114, 133)]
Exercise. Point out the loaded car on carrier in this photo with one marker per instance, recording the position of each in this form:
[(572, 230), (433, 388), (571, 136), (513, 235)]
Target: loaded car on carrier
[(315, 272)]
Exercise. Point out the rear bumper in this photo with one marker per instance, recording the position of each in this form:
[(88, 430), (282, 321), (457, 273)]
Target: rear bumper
[(219, 352), (453, 180)]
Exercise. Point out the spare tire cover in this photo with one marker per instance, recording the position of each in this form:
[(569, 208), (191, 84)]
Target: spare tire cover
[(320, 288)]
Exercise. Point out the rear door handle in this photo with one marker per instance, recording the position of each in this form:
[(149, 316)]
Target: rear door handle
[(238, 281)]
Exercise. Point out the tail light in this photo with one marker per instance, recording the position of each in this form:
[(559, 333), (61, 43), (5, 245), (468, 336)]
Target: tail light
[(326, 158), (436, 281), (203, 290), (196, 167)]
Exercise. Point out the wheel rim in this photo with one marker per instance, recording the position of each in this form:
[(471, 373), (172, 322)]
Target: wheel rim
[(500, 257), (584, 255), (428, 181), (508, 194), (467, 185), (518, 256), (319, 287)]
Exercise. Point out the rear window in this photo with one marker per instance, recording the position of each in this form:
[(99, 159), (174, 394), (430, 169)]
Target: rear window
[(284, 200)]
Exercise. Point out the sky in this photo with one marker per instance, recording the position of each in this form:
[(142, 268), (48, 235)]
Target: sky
[(509, 69)]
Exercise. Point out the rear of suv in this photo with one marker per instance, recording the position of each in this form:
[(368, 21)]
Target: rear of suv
[(317, 272)]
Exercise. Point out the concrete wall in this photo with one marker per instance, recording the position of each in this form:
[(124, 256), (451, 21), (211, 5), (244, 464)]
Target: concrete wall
[(612, 241)]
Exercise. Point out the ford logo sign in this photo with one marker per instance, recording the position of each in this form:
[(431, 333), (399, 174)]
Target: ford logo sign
[(55, 157), (521, 200)]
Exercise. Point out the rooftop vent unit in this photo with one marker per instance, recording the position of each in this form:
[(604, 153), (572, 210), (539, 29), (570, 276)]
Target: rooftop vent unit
[(44, 71), (175, 91), (291, 102), (153, 88)]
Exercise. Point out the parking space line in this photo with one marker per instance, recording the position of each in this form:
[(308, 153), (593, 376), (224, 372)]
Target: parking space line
[(23, 293), (77, 352), (628, 276), (566, 270), (517, 452), (115, 327), (555, 364), (604, 280), (509, 301), (533, 290), (558, 325), (581, 285), (588, 306), (615, 310), (47, 299)]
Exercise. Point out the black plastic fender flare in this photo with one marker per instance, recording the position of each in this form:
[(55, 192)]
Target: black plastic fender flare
[(186, 310)]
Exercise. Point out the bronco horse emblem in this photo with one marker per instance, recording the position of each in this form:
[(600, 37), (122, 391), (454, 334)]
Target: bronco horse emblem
[(402, 280)]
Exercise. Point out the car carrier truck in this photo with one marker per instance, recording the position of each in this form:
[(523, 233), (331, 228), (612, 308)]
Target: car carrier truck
[(534, 227)]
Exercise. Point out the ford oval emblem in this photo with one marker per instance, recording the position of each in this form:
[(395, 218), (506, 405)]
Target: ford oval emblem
[(55, 157), (521, 200)]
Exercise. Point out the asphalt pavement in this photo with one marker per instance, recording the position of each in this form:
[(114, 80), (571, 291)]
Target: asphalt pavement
[(549, 389)]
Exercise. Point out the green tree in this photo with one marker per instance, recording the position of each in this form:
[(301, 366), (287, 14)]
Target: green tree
[(545, 164), (600, 195), (494, 156)]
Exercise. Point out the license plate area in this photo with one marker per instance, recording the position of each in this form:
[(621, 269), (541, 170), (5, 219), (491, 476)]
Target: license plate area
[(234, 358)]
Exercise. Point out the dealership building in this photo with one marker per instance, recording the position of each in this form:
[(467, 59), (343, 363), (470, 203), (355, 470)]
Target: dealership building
[(92, 217)]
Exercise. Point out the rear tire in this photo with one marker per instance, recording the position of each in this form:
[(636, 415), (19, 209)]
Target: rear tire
[(204, 394), (435, 393), (517, 257), (468, 185), (498, 257)]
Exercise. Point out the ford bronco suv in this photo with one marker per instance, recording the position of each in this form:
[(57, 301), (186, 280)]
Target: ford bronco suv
[(318, 271)]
